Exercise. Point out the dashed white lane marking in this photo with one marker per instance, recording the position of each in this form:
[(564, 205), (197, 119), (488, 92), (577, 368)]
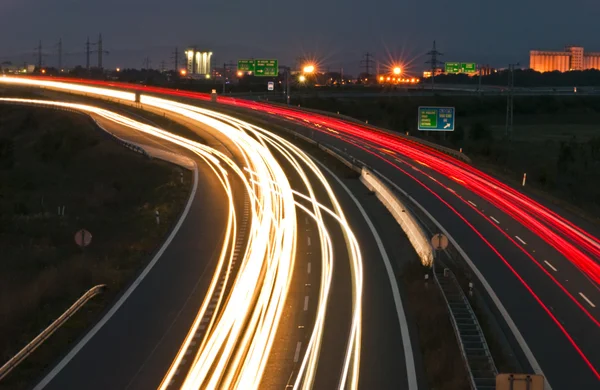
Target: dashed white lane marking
[(306, 303), (297, 353), (472, 203), (587, 300), (550, 265), (495, 220), (308, 239), (519, 238), (308, 268)]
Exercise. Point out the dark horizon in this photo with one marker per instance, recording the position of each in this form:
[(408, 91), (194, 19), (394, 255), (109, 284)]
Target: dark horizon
[(335, 36)]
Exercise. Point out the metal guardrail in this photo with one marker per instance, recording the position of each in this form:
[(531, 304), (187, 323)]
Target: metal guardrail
[(46, 333), (476, 355), (474, 349)]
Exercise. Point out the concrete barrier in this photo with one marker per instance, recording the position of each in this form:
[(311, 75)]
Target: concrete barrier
[(410, 225)]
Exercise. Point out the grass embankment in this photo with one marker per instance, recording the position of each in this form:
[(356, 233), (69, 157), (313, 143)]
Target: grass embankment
[(50, 159), (556, 139)]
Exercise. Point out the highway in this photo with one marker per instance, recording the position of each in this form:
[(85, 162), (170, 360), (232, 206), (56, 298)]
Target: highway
[(329, 351), (541, 268), (535, 273)]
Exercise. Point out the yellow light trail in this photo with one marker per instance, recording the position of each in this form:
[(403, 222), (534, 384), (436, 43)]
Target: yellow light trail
[(239, 337)]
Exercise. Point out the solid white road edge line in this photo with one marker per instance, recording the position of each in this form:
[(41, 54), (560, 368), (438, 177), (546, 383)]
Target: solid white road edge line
[(406, 341), (56, 370), (509, 321)]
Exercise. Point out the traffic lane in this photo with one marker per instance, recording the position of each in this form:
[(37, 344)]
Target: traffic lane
[(383, 364), (338, 317), (157, 315), (572, 278), (535, 325), (298, 318), (382, 348)]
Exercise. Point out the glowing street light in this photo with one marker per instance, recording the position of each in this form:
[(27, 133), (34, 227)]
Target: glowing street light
[(240, 73), (397, 70), (309, 69), (302, 78), (183, 72)]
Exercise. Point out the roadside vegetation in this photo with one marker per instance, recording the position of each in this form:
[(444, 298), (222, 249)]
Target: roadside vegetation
[(556, 139), (51, 159)]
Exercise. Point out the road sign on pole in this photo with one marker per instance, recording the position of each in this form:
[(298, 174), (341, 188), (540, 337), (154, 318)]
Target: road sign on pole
[(436, 118), (245, 66), (452, 67), (461, 67), (519, 382), (271, 85), (439, 242), (83, 238), (468, 67), (268, 68)]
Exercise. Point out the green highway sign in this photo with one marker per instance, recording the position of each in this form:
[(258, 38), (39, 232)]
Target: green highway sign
[(452, 67), (461, 67), (245, 65), (436, 118), (266, 68), (468, 67)]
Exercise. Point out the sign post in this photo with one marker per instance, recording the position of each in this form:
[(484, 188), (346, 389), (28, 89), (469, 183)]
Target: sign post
[(452, 67), (461, 67), (468, 67), (267, 68), (519, 382), (436, 119), (83, 238), (246, 66)]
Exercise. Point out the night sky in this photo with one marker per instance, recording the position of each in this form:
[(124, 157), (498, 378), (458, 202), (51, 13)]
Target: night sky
[(336, 33)]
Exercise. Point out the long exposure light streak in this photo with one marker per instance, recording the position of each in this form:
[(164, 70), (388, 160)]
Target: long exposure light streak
[(236, 347)]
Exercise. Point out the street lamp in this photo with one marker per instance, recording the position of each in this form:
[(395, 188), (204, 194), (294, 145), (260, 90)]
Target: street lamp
[(397, 70), (309, 69), (302, 78)]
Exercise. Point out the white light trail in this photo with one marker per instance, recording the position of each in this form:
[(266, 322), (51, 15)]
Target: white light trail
[(240, 335)]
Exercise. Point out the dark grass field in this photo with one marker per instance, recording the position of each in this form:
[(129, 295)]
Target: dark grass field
[(50, 159)]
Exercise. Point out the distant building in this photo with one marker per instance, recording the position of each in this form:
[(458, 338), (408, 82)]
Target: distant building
[(572, 58), (198, 62)]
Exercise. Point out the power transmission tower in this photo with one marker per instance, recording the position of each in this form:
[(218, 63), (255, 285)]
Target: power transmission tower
[(175, 59), (434, 62), (39, 55), (367, 63), (146, 63), (88, 52), (163, 66), (60, 54), (100, 51)]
